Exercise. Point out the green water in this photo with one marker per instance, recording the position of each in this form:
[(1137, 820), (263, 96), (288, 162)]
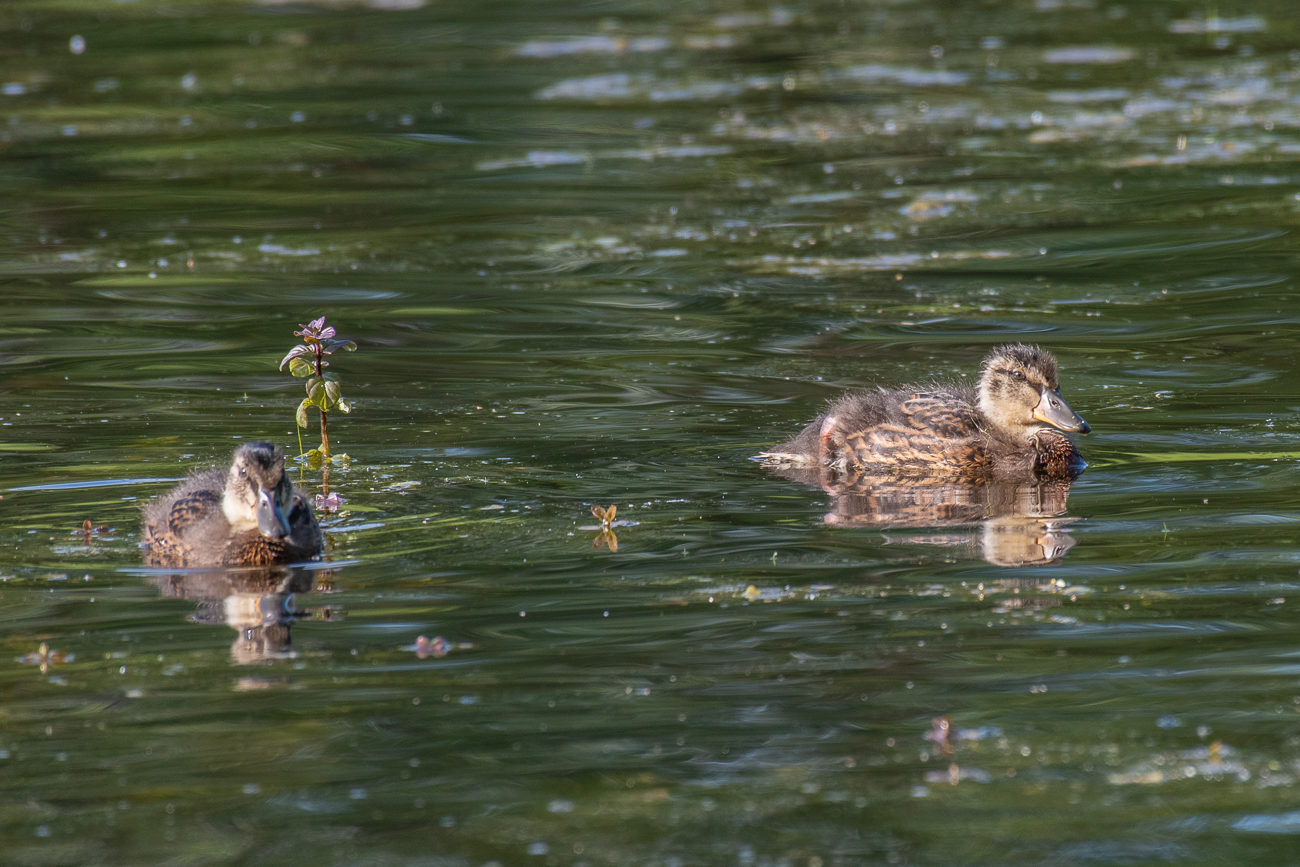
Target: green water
[(605, 253)]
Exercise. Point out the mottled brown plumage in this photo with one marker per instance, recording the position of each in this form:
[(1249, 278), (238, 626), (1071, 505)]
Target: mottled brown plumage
[(998, 430), (247, 515)]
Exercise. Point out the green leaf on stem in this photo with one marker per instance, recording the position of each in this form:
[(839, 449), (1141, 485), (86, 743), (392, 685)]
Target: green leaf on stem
[(296, 352), (331, 346), (300, 367)]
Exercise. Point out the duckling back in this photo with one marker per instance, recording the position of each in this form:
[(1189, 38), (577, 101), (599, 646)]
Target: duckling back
[(912, 431)]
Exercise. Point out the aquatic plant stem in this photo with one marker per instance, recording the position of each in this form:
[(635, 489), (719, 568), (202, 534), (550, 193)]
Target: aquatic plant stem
[(324, 416), (324, 435)]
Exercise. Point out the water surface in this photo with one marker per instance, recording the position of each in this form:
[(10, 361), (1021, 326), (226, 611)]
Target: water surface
[(604, 254)]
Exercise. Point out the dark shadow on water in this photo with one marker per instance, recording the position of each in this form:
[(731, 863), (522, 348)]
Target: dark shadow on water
[(1021, 523), (258, 603)]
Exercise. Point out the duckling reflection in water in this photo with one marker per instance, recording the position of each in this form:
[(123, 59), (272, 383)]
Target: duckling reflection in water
[(1022, 524), (1003, 428), (257, 603), (247, 515)]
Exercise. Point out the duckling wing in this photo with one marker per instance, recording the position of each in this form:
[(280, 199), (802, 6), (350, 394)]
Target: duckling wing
[(192, 509), (939, 414)]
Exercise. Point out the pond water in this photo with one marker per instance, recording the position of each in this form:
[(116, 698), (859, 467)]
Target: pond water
[(603, 254)]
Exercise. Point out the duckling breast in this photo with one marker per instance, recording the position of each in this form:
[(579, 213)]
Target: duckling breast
[(1058, 457)]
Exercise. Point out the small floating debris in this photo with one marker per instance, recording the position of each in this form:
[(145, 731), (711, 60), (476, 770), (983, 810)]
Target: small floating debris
[(89, 530), (328, 503), (45, 656), (937, 203), (754, 593), (437, 647), (940, 730)]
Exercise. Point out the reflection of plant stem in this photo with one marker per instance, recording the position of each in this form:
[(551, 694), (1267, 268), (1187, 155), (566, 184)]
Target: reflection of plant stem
[(299, 430), (325, 478)]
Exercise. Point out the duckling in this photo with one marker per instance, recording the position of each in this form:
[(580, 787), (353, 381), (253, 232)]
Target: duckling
[(1000, 429), (247, 515)]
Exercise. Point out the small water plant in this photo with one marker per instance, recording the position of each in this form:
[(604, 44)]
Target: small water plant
[(606, 527), (324, 388)]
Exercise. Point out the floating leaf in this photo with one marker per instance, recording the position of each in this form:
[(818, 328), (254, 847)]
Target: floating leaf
[(302, 368), (437, 648), (604, 515), (328, 503), (605, 537)]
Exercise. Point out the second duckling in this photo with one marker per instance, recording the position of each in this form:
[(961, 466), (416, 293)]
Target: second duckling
[(1001, 428), (249, 514)]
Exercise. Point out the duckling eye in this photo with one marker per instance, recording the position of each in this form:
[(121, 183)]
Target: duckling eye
[(1017, 374), (243, 471)]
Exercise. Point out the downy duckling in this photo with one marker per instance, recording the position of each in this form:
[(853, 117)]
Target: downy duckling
[(1002, 428), (247, 515)]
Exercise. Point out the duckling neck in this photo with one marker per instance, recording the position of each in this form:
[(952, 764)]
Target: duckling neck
[(237, 513), (1006, 422)]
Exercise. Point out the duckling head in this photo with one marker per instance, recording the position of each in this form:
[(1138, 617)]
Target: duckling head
[(258, 493), (1019, 392)]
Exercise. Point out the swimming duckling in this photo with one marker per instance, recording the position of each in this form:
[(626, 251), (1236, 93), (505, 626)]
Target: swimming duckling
[(247, 515), (1000, 429)]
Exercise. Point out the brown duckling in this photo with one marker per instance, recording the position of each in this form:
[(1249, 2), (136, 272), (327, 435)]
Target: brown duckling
[(247, 515), (1000, 429)]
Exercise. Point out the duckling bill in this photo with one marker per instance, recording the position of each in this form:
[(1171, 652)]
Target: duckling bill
[(1008, 426), (248, 514)]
